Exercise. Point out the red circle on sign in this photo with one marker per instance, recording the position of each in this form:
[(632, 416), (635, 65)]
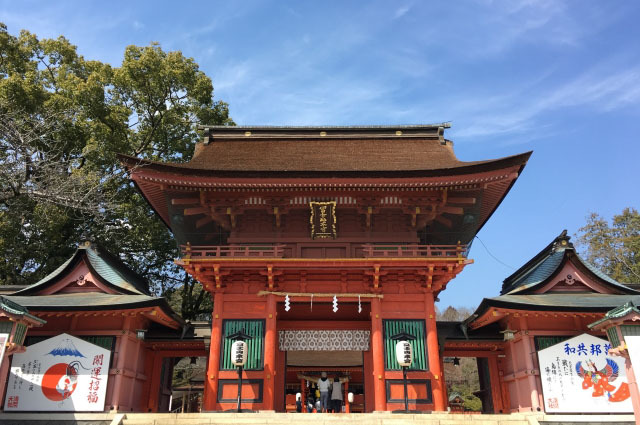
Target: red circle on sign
[(59, 382)]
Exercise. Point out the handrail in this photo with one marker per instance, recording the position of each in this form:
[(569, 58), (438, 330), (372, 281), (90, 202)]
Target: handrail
[(368, 251), (202, 251), (414, 250)]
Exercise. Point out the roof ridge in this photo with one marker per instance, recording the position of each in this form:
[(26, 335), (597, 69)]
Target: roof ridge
[(560, 242), (446, 124)]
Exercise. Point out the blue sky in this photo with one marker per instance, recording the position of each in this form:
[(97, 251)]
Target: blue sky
[(559, 78)]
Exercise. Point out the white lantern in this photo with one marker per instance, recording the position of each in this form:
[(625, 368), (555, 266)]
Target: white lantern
[(350, 397), (239, 353), (404, 353)]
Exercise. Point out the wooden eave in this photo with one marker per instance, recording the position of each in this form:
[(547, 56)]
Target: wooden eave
[(154, 313), (494, 178), (493, 314), (437, 272)]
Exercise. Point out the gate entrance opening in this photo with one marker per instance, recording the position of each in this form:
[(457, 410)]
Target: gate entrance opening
[(310, 343)]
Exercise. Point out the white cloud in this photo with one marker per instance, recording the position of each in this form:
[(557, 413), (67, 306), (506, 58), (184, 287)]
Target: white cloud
[(597, 90), (400, 12)]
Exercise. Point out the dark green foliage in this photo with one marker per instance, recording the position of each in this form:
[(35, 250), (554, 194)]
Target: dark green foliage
[(63, 120)]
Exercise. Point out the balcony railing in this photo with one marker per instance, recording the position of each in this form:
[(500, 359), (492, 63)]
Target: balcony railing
[(216, 251), (414, 250), (368, 251)]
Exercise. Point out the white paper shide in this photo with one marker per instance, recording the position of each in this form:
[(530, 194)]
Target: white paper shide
[(63, 373), (578, 376)]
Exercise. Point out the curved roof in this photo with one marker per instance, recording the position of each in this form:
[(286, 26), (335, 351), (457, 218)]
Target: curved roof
[(84, 301), (518, 290), (13, 308), (343, 150), (558, 302), (111, 270), (545, 264)]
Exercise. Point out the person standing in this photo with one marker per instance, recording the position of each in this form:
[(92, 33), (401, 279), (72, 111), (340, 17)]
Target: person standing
[(324, 385), (336, 395)]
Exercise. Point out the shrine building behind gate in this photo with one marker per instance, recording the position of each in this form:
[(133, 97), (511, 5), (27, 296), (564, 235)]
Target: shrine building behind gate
[(355, 229)]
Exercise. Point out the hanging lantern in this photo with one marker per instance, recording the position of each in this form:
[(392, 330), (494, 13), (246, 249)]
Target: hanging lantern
[(404, 353), (239, 353)]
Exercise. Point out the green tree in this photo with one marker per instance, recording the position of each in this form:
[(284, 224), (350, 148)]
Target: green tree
[(63, 120), (613, 248)]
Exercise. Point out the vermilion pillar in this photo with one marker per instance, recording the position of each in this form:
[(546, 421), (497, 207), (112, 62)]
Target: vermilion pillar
[(154, 385), (529, 352), (270, 342), (496, 387), (213, 368), (377, 350), (121, 364), (633, 388), (433, 353), (4, 373)]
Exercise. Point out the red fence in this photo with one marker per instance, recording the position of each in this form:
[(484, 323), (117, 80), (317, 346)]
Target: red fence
[(414, 250), (269, 251), (368, 251)]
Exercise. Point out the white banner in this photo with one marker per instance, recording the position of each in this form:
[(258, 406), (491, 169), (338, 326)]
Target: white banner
[(63, 373), (579, 377)]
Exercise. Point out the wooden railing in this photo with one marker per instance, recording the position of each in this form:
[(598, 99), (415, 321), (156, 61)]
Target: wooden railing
[(410, 250), (368, 251), (215, 251)]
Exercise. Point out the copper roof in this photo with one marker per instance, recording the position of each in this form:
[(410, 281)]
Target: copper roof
[(108, 268), (323, 149)]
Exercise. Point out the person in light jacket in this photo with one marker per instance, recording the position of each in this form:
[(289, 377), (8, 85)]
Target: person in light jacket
[(324, 384)]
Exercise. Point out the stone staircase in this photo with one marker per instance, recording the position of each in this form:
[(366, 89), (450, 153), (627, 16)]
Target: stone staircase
[(264, 418), (383, 418)]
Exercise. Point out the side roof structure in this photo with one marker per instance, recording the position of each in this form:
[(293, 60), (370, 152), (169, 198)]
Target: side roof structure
[(537, 271), (117, 288), (110, 269), (16, 311), (545, 283)]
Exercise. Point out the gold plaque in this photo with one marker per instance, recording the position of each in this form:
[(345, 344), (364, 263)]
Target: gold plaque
[(323, 220)]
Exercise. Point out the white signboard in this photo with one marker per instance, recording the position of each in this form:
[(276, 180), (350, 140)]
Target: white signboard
[(579, 377), (63, 373)]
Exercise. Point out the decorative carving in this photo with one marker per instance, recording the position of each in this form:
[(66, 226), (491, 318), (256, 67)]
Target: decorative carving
[(324, 340)]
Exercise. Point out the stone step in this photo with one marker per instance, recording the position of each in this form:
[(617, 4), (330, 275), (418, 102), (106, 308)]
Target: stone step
[(270, 418)]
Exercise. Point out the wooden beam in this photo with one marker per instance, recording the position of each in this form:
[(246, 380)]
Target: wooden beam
[(195, 211), (185, 201), (442, 220), (202, 221), (465, 201), (452, 210)]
